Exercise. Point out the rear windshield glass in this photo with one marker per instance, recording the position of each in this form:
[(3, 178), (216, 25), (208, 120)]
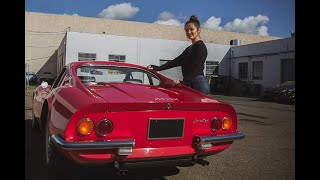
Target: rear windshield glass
[(115, 74)]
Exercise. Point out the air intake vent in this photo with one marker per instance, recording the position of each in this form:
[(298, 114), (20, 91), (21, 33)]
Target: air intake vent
[(235, 42)]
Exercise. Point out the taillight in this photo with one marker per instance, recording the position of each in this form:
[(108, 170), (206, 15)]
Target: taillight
[(85, 126), (226, 123), (216, 124), (104, 127)]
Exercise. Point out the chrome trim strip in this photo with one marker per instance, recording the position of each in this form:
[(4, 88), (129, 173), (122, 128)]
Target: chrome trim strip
[(227, 138), (91, 145)]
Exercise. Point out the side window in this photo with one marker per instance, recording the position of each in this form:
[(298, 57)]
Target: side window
[(59, 78), (155, 81)]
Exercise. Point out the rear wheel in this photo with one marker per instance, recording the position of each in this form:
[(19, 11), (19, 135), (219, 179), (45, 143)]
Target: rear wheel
[(34, 124), (53, 159)]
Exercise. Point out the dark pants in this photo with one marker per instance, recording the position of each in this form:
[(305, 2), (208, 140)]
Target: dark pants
[(200, 83)]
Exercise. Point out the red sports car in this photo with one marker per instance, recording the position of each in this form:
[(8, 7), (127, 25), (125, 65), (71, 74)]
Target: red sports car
[(101, 112)]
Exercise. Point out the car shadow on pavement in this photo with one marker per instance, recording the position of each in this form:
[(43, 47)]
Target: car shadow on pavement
[(35, 170)]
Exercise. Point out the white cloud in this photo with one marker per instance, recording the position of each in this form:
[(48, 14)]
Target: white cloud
[(174, 22), (166, 15), (213, 23), (249, 25), (74, 14), (119, 11), (263, 30), (168, 18)]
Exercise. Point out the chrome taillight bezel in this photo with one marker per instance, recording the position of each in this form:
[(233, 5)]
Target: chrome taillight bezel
[(101, 121), (214, 120)]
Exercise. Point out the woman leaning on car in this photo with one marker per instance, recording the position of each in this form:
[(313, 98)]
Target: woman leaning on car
[(191, 60)]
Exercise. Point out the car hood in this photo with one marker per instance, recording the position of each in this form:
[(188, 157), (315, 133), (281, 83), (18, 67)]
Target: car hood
[(154, 97)]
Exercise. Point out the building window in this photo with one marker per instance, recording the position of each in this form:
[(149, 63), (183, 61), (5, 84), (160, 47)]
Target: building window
[(243, 70), (86, 57), (212, 68), (257, 72), (117, 58)]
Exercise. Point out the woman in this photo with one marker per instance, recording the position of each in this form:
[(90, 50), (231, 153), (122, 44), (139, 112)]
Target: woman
[(191, 60)]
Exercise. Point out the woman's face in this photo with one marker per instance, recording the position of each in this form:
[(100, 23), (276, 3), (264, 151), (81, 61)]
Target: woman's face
[(192, 32)]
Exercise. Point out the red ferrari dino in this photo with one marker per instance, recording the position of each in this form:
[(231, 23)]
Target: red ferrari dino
[(101, 112)]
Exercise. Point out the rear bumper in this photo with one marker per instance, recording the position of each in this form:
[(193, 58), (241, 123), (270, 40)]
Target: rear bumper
[(119, 144), (130, 143), (221, 139), (124, 152), (206, 142)]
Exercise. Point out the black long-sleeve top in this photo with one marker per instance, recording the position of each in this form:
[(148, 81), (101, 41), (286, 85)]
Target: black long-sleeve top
[(191, 61)]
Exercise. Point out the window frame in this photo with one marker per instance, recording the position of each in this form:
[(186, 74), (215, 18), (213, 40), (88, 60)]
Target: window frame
[(117, 58), (241, 67), (87, 58), (257, 71), (60, 78), (212, 66)]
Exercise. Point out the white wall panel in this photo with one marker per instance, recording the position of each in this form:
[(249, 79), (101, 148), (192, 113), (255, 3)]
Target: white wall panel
[(142, 51)]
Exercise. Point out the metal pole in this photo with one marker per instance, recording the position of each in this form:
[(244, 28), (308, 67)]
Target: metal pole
[(28, 76), (25, 76)]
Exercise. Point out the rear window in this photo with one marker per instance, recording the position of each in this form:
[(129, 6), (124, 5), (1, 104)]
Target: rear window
[(115, 74)]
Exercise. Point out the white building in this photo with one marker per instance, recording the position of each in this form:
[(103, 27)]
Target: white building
[(266, 63), (77, 46), (263, 60)]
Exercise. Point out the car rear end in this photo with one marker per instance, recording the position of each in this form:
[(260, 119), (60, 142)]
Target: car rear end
[(142, 125), (132, 136)]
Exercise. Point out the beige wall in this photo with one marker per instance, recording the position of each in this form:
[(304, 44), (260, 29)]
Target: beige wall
[(44, 32)]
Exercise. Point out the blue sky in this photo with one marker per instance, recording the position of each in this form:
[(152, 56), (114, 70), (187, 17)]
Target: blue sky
[(262, 17)]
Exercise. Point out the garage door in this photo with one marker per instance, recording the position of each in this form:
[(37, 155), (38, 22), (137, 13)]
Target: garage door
[(287, 70), (173, 73)]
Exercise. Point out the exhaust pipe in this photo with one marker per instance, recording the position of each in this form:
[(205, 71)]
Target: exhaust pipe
[(200, 161), (121, 172), (125, 172)]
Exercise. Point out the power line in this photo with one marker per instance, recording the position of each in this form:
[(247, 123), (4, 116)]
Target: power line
[(46, 34), (42, 46), (37, 58), (59, 32)]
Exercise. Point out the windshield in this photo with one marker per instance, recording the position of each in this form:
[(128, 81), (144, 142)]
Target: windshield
[(115, 74)]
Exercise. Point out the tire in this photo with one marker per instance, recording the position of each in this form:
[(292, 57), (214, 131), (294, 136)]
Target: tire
[(53, 160), (34, 124)]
